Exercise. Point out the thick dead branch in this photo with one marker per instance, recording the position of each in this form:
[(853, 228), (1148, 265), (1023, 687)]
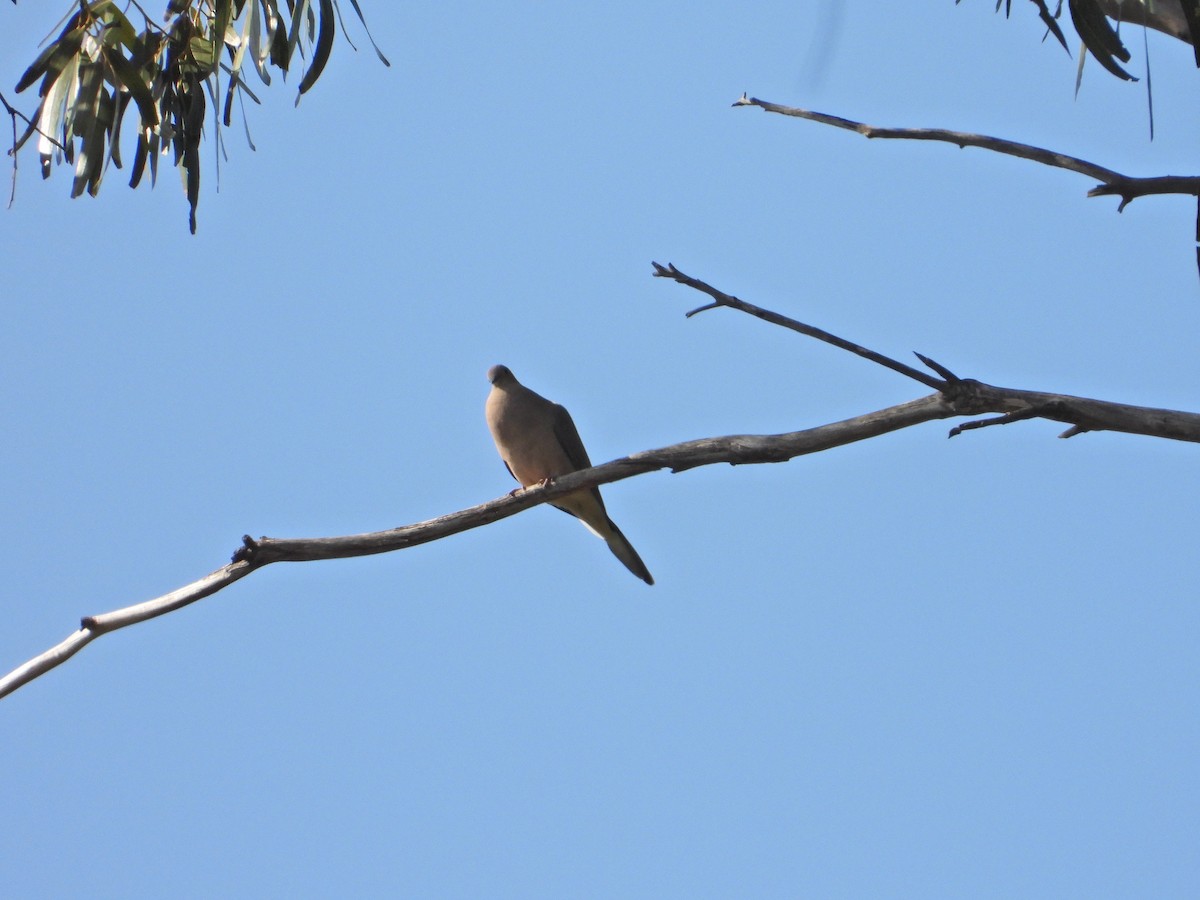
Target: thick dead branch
[(955, 397), (1112, 183), (742, 449)]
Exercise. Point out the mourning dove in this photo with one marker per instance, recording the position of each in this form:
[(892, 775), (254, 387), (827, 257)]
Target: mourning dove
[(538, 441)]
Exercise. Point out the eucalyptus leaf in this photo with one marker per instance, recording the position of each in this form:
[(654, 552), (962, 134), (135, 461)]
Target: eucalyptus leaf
[(252, 37), (1099, 37), (294, 35), (53, 60), (51, 120), (204, 52), (131, 80), (383, 59), (85, 126), (220, 26), (120, 103), (323, 47)]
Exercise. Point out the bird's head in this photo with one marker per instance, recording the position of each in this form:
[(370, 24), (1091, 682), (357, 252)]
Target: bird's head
[(500, 375)]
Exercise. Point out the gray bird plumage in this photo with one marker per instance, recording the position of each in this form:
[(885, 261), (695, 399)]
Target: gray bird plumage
[(538, 441)]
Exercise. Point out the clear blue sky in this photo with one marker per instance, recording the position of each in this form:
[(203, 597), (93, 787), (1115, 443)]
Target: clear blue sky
[(911, 667)]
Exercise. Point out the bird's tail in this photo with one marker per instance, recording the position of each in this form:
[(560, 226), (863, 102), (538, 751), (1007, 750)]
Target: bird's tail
[(623, 550)]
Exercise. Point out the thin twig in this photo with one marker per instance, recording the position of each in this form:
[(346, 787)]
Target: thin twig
[(1020, 415), (150, 23), (723, 299), (13, 111), (12, 114)]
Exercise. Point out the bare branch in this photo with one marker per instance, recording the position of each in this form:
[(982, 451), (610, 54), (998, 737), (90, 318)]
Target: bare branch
[(969, 397), (1018, 416), (13, 112), (1113, 183), (12, 197), (254, 554), (959, 138), (94, 626), (1128, 188), (956, 397), (722, 299)]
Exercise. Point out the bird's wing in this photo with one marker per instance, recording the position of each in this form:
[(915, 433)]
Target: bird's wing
[(568, 438)]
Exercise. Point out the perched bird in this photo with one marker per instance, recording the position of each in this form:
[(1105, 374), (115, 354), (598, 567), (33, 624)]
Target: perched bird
[(538, 441)]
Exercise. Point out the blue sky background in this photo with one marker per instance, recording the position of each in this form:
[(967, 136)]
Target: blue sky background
[(909, 667)]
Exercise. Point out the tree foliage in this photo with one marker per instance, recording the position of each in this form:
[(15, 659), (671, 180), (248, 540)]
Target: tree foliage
[(100, 71), (1093, 21)]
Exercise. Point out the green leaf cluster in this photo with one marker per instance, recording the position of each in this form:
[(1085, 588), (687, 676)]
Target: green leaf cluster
[(100, 65)]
